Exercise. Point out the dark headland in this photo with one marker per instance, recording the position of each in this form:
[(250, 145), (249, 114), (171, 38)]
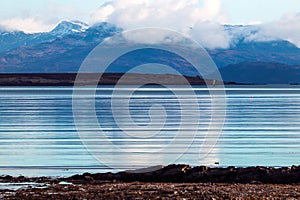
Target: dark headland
[(170, 182), (68, 79)]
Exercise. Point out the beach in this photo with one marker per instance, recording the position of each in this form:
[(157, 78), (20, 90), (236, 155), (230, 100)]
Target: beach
[(170, 182), (138, 190)]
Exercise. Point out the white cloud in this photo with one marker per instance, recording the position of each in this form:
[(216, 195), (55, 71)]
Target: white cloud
[(202, 23), (211, 35), (177, 14), (211, 11), (28, 25), (285, 28), (180, 15), (103, 13)]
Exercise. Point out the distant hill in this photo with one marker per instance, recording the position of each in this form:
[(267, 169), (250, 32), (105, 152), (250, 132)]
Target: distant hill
[(10, 40), (261, 73), (59, 51)]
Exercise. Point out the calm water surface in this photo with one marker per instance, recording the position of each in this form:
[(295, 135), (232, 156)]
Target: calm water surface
[(38, 135)]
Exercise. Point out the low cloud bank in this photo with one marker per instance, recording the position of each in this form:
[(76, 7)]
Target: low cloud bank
[(203, 23)]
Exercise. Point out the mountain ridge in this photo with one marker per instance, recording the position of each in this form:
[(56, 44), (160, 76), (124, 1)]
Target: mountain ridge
[(64, 48)]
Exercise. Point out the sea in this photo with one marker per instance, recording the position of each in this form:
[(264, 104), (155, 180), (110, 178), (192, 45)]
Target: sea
[(61, 131)]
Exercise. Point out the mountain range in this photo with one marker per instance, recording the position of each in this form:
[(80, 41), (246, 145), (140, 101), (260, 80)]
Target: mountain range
[(63, 49)]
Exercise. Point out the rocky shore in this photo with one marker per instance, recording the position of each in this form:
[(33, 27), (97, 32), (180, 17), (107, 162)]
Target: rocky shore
[(138, 190), (201, 174), (170, 182)]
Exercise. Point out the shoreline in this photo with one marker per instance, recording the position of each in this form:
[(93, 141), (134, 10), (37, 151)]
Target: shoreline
[(138, 190), (178, 174), (173, 181)]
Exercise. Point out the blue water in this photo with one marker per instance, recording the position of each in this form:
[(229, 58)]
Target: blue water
[(38, 135)]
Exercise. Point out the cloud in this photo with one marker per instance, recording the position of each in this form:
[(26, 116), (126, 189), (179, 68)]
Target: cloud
[(286, 28), (28, 25), (177, 14), (204, 24), (210, 35), (154, 36), (180, 15), (211, 11)]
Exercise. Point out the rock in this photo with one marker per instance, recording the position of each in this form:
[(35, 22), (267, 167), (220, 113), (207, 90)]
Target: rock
[(200, 174), (146, 170)]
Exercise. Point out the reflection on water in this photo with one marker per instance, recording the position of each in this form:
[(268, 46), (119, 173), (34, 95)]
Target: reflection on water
[(38, 135)]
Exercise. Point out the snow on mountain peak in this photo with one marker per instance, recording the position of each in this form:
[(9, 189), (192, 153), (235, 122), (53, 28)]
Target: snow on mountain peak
[(69, 27)]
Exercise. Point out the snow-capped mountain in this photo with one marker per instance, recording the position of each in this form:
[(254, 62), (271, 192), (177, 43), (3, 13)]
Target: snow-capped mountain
[(64, 48), (69, 27), (14, 39), (61, 50)]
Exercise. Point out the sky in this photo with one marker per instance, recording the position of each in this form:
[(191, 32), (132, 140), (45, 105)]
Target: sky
[(249, 11), (50, 12), (201, 19)]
